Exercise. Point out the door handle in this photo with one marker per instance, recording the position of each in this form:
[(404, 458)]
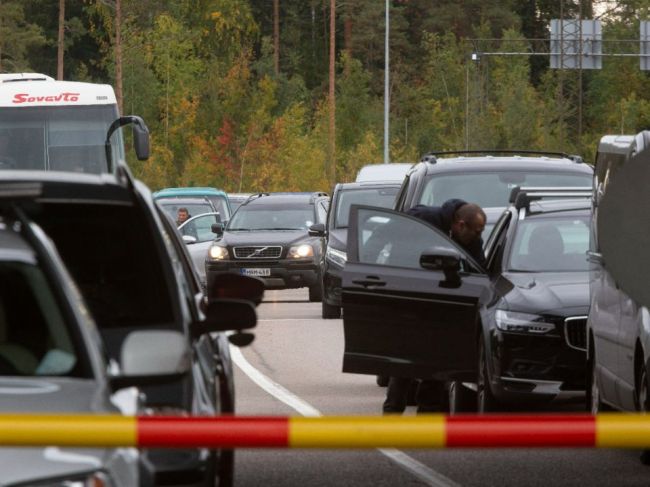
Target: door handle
[(370, 281)]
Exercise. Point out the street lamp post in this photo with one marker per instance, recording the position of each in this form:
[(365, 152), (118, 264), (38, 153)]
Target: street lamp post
[(386, 87)]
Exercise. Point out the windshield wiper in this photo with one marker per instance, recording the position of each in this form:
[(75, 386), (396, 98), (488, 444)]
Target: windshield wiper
[(280, 228)]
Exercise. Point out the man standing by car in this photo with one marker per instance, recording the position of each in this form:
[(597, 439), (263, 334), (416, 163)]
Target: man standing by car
[(464, 223)]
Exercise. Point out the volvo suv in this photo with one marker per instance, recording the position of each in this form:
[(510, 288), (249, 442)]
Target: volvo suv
[(276, 237)]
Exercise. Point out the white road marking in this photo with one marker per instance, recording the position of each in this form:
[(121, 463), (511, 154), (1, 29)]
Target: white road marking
[(422, 472)]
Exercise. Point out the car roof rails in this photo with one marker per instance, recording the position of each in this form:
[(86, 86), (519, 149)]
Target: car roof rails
[(521, 197), (433, 156)]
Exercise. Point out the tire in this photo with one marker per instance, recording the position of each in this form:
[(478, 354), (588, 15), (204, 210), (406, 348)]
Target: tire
[(330, 312), (382, 380), (461, 399), (485, 400), (643, 403), (226, 469), (594, 403), (411, 396), (316, 293)]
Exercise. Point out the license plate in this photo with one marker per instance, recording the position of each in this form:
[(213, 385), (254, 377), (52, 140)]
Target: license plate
[(257, 272)]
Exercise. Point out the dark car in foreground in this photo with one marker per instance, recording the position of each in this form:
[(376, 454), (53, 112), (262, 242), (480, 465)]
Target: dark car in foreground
[(270, 237), (380, 194), (415, 304), (52, 359), (487, 178), (134, 272)]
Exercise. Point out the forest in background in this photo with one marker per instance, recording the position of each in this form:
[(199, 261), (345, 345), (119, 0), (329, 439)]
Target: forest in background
[(232, 106)]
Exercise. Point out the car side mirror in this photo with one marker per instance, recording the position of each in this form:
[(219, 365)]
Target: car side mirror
[(142, 363), (317, 230), (445, 260), (217, 228), (226, 314), (236, 286), (189, 239)]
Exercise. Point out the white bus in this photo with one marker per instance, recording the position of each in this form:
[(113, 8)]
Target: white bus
[(62, 125)]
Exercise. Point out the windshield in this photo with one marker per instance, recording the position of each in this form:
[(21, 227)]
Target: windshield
[(548, 244), (58, 138), (221, 205), (492, 189), (193, 209), (34, 339), (267, 217), (382, 197)]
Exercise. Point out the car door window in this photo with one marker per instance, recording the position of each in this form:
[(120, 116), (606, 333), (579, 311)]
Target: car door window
[(200, 227), (394, 239)]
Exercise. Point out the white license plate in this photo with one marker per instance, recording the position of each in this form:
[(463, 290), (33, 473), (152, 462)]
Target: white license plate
[(257, 271)]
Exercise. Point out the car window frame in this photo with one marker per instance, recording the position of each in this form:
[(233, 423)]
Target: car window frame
[(354, 242)]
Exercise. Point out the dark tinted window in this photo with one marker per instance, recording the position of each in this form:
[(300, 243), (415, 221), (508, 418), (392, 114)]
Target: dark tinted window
[(34, 336), (114, 257)]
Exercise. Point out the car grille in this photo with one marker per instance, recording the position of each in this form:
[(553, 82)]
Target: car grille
[(575, 332), (258, 252)]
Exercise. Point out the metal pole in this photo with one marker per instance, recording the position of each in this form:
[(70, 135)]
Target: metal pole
[(386, 87)]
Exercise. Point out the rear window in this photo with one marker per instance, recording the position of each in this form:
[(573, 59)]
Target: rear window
[(112, 254), (492, 189)]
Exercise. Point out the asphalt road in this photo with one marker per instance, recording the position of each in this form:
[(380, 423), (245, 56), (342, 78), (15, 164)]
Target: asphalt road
[(294, 367)]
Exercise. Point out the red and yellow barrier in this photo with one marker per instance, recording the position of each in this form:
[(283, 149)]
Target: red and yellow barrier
[(424, 431)]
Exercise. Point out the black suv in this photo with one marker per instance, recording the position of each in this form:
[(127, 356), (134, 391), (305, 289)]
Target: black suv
[(345, 195), (274, 236), (416, 304), (487, 178)]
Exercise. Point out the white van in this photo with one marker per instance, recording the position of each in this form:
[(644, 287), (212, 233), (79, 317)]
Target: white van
[(394, 171)]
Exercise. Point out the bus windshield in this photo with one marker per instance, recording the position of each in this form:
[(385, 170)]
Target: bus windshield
[(58, 138)]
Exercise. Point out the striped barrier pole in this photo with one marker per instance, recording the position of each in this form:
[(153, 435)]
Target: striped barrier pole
[(425, 431)]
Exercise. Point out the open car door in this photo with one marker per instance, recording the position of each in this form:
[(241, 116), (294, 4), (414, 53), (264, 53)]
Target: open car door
[(411, 299)]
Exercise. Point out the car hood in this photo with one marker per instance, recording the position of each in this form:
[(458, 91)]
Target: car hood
[(562, 293), (51, 396), (273, 237), (338, 239)]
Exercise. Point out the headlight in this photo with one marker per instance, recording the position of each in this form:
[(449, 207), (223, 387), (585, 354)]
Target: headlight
[(218, 252), (336, 256), (95, 479), (522, 322), (301, 251)]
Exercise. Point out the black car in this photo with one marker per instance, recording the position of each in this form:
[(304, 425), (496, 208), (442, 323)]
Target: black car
[(416, 305), (380, 194), (487, 178), (134, 272), (274, 236)]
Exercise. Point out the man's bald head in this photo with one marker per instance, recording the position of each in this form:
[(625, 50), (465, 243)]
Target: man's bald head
[(468, 224)]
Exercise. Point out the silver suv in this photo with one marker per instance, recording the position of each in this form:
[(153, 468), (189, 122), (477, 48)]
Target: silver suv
[(52, 361)]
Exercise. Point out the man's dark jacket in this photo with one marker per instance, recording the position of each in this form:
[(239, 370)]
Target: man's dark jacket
[(442, 217)]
